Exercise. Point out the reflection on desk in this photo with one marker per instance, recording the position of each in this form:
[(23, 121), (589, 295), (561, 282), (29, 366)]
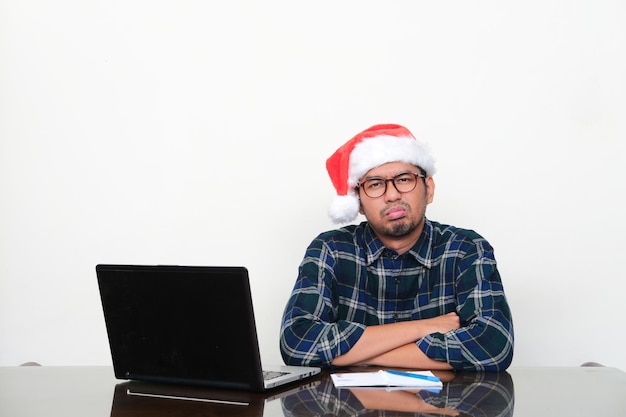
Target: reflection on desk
[(536, 392), (473, 394), (133, 398), (476, 394)]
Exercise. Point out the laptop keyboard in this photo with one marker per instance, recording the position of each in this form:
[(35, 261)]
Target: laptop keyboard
[(272, 374)]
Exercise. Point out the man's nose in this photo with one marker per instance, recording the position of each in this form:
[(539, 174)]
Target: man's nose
[(391, 192)]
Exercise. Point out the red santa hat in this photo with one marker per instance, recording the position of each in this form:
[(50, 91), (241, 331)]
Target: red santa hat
[(375, 146)]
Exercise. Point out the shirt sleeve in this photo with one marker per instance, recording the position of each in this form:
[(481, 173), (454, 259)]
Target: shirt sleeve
[(485, 340), (311, 333)]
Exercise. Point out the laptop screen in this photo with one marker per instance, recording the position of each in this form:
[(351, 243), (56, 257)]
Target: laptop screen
[(181, 324)]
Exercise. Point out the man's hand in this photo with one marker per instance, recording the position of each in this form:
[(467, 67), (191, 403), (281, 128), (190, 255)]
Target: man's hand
[(441, 324)]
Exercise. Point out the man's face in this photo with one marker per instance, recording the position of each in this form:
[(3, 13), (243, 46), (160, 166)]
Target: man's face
[(394, 214)]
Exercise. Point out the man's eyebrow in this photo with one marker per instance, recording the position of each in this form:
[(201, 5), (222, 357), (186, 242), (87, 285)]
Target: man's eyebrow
[(375, 177)]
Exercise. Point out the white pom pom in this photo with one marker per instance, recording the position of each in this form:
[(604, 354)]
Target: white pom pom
[(344, 209)]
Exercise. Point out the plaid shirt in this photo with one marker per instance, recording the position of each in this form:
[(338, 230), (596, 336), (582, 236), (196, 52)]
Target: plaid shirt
[(349, 280)]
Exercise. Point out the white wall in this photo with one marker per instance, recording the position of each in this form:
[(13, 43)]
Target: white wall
[(195, 133)]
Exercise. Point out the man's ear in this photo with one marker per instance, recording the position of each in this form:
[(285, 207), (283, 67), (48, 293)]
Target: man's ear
[(430, 189)]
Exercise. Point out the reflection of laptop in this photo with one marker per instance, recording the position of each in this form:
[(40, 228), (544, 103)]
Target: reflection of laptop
[(186, 325), (134, 397)]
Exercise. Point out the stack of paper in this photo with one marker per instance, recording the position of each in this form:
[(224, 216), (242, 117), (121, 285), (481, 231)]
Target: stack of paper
[(387, 378)]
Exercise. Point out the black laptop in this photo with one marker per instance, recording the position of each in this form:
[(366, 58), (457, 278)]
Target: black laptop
[(186, 325)]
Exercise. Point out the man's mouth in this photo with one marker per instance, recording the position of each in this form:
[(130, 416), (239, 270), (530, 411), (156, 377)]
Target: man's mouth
[(395, 213)]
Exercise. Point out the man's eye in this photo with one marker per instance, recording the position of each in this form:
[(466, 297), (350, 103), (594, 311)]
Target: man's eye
[(404, 179), (373, 184)]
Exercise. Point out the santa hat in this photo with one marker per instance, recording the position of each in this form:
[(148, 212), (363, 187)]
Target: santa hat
[(373, 147)]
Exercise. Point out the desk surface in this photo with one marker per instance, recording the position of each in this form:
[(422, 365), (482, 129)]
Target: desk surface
[(94, 392)]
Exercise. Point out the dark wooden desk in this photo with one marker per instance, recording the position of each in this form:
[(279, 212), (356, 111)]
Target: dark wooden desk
[(93, 391)]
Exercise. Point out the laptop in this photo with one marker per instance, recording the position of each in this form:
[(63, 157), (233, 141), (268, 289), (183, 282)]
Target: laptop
[(186, 325)]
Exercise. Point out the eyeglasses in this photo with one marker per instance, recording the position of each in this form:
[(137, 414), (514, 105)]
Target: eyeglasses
[(375, 187)]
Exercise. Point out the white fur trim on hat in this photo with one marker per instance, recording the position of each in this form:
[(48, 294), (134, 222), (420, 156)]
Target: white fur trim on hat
[(380, 150)]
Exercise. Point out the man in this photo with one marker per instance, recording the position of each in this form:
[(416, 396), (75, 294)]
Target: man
[(397, 290)]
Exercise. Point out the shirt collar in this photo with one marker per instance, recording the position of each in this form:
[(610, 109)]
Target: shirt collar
[(423, 248), (421, 251)]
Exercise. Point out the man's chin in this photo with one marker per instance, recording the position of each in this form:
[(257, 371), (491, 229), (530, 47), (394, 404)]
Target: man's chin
[(399, 228)]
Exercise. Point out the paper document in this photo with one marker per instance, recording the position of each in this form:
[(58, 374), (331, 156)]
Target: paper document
[(387, 378)]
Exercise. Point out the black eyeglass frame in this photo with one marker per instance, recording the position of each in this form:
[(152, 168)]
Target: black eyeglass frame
[(392, 180)]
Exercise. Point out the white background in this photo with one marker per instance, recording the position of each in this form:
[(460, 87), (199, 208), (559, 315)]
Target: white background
[(195, 133)]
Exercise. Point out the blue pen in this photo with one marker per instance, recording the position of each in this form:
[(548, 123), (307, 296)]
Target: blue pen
[(417, 376)]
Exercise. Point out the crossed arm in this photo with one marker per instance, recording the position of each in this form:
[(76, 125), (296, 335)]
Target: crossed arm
[(394, 344)]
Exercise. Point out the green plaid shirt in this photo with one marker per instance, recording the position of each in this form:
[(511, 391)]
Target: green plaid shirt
[(349, 280)]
